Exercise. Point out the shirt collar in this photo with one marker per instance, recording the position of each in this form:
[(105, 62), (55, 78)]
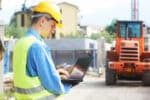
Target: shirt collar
[(34, 33)]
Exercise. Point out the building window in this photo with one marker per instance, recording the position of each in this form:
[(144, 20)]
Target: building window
[(148, 30), (22, 20), (91, 45), (61, 11), (54, 35), (60, 21)]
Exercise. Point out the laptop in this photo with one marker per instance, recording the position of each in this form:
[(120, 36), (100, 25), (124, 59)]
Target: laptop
[(79, 70)]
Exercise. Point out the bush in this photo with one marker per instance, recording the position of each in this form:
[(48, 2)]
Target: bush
[(108, 38), (14, 31)]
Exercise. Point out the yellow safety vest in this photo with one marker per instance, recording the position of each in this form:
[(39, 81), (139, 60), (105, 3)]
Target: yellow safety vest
[(27, 88)]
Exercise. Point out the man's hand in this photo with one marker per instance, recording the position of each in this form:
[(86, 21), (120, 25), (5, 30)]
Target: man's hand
[(63, 73), (69, 69), (66, 67)]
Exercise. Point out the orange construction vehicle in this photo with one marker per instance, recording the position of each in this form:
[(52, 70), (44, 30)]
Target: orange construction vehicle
[(128, 59)]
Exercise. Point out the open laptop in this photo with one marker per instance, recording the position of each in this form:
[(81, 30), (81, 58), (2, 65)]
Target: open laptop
[(79, 70)]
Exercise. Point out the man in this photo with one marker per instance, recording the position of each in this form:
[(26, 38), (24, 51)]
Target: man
[(35, 75)]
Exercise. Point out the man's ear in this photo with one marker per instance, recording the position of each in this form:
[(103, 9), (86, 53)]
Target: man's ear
[(41, 20)]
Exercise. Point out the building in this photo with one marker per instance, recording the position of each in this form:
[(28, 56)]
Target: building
[(21, 18), (147, 39), (90, 29), (2, 29), (93, 29), (69, 21)]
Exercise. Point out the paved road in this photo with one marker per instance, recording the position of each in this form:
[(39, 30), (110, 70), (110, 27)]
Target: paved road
[(93, 88)]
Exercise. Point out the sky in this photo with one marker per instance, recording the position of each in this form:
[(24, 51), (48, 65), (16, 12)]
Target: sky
[(92, 12)]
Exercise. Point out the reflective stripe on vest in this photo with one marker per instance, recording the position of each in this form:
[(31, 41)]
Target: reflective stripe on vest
[(29, 90), (35, 90)]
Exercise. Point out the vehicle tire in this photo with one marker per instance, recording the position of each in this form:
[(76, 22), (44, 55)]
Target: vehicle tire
[(110, 77), (146, 78), (106, 63)]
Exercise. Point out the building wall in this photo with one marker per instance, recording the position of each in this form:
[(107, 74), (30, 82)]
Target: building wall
[(18, 20), (1, 61), (69, 19), (26, 19), (2, 29), (147, 39), (91, 29)]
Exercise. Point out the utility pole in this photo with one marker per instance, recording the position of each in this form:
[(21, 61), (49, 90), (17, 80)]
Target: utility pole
[(24, 6), (134, 9)]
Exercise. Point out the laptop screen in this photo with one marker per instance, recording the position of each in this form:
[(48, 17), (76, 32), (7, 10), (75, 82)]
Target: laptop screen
[(80, 67), (77, 72)]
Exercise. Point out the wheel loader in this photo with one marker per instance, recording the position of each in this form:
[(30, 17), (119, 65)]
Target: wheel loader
[(128, 60)]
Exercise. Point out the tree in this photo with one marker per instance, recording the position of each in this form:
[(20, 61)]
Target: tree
[(95, 36), (111, 29), (14, 31), (76, 35), (108, 38)]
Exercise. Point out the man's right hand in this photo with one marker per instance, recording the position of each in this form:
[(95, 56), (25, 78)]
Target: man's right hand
[(63, 73)]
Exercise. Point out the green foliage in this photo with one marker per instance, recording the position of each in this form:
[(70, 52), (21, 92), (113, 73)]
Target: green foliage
[(112, 27), (14, 31), (95, 36), (76, 35), (6, 95), (108, 38), (2, 97)]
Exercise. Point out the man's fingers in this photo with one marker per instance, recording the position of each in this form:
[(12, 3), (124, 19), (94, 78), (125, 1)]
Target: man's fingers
[(63, 77), (63, 72)]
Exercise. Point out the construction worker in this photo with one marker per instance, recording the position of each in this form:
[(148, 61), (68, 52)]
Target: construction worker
[(35, 75)]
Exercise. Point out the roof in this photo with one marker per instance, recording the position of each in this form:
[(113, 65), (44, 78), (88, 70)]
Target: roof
[(27, 10), (129, 21)]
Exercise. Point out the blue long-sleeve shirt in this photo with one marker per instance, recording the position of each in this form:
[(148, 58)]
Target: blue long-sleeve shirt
[(40, 63)]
